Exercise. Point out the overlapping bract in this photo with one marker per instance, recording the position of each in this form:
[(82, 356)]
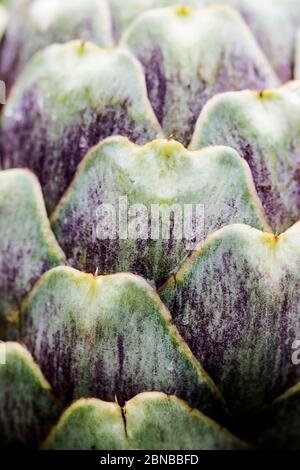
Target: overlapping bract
[(27, 245), (263, 17), (54, 116), (235, 302), (39, 23), (161, 175), (264, 127), (146, 422)]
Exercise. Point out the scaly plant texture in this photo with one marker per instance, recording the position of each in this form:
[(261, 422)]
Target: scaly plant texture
[(112, 339)]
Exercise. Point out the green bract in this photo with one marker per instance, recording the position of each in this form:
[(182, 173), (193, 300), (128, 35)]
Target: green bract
[(236, 303), (38, 23), (127, 313), (264, 18), (147, 422), (27, 407), (54, 115), (150, 182), (28, 247), (109, 337), (189, 55), (264, 127)]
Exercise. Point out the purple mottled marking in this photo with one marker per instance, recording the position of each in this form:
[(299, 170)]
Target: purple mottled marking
[(280, 196), (75, 231), (281, 206), (240, 327), (13, 265), (27, 141), (105, 362), (162, 92), (155, 80), (27, 413), (14, 56), (57, 358), (87, 253), (236, 72), (284, 68), (10, 60), (269, 196), (26, 420), (154, 260)]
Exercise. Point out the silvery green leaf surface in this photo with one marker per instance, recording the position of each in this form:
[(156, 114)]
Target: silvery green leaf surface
[(146, 422), (265, 129), (236, 304), (162, 174), (189, 55), (39, 23), (54, 115), (28, 407), (110, 336), (28, 247)]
